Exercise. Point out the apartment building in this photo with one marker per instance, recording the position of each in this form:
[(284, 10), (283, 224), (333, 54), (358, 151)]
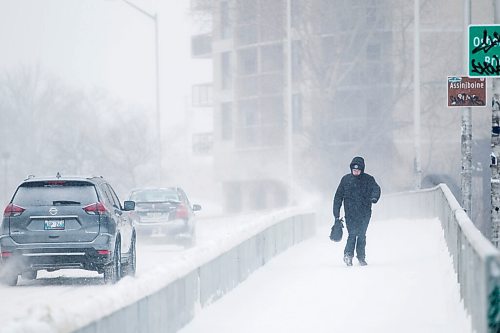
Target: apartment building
[(351, 68)]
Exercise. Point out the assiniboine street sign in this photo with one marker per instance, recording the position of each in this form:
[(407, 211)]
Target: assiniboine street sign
[(466, 91)]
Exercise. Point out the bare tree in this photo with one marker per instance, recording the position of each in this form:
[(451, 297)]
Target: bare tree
[(354, 77), (48, 127)]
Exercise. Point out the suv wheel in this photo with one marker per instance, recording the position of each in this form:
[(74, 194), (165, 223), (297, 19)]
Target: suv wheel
[(8, 278), (29, 275), (130, 267), (113, 270)]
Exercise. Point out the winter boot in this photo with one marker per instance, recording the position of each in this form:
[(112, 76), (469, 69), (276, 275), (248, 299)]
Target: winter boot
[(348, 260), (362, 261)]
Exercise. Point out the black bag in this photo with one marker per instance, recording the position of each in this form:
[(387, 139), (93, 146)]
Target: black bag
[(337, 232)]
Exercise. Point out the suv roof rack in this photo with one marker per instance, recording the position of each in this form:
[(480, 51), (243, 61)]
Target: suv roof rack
[(60, 176)]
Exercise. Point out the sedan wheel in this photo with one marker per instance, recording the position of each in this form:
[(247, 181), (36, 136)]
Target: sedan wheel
[(189, 241)]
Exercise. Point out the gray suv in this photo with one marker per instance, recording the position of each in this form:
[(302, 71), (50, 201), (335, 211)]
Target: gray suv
[(66, 222)]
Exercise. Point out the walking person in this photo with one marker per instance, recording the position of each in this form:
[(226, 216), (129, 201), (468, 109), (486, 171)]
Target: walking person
[(357, 191)]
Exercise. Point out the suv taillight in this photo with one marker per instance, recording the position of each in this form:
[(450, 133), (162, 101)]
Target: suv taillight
[(95, 209), (12, 210), (181, 212), (5, 254)]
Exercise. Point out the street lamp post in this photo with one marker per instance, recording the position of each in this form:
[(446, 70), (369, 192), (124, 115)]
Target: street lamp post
[(289, 103), (154, 17), (416, 94), (5, 157)]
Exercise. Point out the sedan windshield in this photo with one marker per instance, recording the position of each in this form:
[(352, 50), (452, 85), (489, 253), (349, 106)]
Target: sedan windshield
[(154, 195)]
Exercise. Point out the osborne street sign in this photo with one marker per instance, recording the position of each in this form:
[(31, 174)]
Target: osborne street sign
[(466, 91), (484, 50)]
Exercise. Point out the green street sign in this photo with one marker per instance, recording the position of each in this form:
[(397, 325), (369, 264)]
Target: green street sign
[(484, 50)]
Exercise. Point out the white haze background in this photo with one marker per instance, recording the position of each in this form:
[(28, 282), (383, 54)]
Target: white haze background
[(102, 51), (105, 44)]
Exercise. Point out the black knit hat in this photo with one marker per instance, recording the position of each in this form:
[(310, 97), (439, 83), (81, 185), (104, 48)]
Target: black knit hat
[(358, 163)]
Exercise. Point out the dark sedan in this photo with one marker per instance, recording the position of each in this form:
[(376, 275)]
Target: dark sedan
[(165, 213)]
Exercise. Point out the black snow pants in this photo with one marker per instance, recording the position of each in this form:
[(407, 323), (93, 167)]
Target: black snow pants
[(357, 236)]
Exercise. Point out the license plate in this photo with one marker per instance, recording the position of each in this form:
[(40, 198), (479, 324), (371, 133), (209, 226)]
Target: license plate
[(154, 214), (54, 225)]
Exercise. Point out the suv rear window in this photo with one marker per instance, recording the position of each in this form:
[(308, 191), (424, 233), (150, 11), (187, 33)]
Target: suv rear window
[(55, 193)]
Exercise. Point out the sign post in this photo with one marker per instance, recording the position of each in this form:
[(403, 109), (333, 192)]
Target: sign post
[(484, 61)]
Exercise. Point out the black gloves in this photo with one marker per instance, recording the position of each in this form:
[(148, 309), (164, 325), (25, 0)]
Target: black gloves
[(374, 200)]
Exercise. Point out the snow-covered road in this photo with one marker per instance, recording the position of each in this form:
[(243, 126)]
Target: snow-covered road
[(45, 296)]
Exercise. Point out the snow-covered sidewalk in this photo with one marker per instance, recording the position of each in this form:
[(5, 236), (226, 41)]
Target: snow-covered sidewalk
[(408, 286)]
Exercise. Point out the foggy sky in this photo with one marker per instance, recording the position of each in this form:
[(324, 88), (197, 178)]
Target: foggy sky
[(104, 44)]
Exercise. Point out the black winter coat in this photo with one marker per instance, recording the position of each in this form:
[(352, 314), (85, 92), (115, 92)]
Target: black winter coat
[(358, 193)]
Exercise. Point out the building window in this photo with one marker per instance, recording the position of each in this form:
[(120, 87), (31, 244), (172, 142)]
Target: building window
[(226, 75), (248, 123), (247, 11), (261, 122), (297, 12), (248, 86), (247, 61), (272, 58), (354, 76), (247, 34), (271, 84), (272, 121), (373, 52), (225, 21), (296, 60), (249, 112), (328, 50), (272, 20), (202, 143), (201, 46), (373, 73), (226, 121), (272, 111), (202, 95), (328, 10), (371, 16)]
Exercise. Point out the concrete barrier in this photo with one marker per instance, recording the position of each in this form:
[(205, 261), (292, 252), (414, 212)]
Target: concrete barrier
[(174, 305), (475, 259)]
